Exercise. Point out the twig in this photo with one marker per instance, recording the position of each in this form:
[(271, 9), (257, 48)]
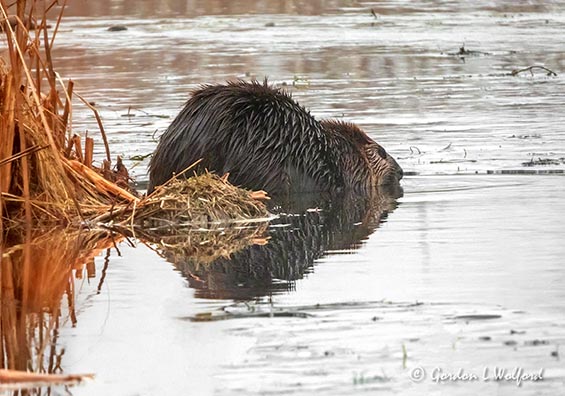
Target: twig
[(174, 177), (132, 226), (58, 20), (531, 68), (100, 125), (414, 147), (66, 113), (23, 153), (78, 147)]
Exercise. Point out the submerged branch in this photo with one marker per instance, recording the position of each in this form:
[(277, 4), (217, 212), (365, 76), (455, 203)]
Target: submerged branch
[(531, 70)]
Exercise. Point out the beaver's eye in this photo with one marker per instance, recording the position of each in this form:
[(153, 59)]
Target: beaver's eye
[(381, 152)]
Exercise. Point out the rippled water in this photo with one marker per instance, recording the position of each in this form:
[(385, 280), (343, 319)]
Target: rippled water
[(465, 271)]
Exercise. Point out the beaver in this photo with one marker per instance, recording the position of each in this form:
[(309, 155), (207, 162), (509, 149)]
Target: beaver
[(267, 141)]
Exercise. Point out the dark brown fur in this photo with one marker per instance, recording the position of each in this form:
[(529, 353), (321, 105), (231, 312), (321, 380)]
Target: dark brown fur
[(267, 141)]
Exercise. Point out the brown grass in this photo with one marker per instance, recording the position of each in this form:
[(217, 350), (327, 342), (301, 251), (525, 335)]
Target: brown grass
[(46, 171), (37, 174)]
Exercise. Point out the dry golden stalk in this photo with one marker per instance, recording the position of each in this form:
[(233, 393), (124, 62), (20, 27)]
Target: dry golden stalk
[(78, 147), (32, 379), (102, 184), (88, 151)]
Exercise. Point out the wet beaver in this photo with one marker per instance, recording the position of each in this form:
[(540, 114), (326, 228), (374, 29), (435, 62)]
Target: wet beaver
[(267, 141)]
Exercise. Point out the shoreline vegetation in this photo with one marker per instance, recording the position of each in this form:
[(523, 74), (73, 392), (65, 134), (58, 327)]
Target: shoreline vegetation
[(47, 172), (59, 209)]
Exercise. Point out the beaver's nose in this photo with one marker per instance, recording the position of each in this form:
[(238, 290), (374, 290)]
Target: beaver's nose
[(399, 173)]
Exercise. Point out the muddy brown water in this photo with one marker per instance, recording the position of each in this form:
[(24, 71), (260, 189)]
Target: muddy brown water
[(463, 273)]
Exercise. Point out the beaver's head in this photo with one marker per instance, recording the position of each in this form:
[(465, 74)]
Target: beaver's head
[(378, 166), (385, 169)]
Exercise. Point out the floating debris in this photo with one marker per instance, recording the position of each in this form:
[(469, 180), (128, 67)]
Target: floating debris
[(549, 73), (532, 136), (536, 342), (479, 317), (117, 28), (512, 331), (526, 172), (544, 162), (465, 52)]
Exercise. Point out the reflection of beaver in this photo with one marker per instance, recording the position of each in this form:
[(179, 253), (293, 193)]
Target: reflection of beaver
[(296, 241), (265, 140)]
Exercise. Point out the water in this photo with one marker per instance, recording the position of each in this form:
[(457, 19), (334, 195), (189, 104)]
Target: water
[(463, 272)]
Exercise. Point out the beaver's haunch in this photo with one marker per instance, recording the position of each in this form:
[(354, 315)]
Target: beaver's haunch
[(267, 141)]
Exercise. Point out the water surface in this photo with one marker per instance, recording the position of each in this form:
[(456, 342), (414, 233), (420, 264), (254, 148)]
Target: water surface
[(463, 272)]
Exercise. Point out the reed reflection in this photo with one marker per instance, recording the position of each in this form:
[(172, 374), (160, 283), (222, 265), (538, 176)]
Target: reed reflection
[(37, 296)]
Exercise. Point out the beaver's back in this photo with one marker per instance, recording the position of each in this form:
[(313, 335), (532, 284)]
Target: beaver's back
[(258, 134)]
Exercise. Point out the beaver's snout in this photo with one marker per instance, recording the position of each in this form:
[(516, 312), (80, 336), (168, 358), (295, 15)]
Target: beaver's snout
[(399, 173)]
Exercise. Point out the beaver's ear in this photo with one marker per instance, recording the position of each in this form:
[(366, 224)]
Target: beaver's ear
[(381, 152), (374, 151)]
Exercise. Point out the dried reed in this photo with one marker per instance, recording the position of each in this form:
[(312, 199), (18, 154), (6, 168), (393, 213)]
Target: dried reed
[(38, 173), (47, 173)]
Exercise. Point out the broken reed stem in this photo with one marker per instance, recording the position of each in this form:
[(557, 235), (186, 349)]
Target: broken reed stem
[(8, 130), (56, 29), (88, 151), (22, 153), (49, 61), (78, 148), (67, 112), (103, 184), (100, 125)]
